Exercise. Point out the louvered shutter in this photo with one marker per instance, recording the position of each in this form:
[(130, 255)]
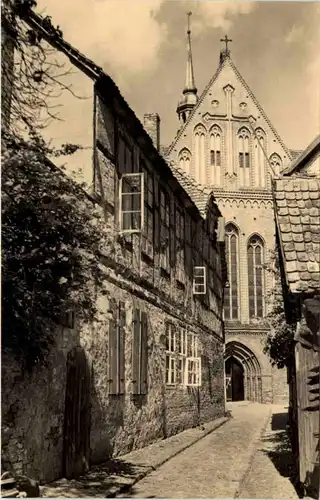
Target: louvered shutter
[(121, 338), (136, 352), (113, 349), (144, 354)]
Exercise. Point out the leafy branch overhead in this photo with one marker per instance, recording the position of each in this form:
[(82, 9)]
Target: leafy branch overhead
[(34, 80), (279, 344), (52, 236)]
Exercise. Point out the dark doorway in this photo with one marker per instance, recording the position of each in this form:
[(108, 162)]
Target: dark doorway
[(234, 380), (77, 415)]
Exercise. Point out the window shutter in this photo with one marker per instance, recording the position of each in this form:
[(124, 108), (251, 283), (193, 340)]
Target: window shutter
[(136, 352), (121, 334), (144, 354), (113, 349)]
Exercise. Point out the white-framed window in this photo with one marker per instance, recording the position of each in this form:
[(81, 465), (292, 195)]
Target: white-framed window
[(199, 285), (131, 202), (183, 363)]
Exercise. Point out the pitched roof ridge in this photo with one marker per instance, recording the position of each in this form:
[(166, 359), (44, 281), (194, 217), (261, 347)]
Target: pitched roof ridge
[(204, 93), (202, 96), (303, 154), (253, 97)]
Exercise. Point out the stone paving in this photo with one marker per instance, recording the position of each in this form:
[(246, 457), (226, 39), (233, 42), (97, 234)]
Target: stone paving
[(224, 464), (272, 464), (247, 456), (108, 479)]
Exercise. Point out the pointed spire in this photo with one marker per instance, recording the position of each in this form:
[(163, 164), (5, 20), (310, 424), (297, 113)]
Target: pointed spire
[(190, 85), (190, 97)]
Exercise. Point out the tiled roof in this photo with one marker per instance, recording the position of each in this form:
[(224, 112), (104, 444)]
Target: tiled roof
[(302, 159), (199, 195), (297, 207)]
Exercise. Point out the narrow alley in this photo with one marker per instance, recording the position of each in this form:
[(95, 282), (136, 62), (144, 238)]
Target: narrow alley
[(248, 457)]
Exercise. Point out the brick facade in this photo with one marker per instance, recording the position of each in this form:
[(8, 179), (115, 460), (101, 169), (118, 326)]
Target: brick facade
[(226, 106)]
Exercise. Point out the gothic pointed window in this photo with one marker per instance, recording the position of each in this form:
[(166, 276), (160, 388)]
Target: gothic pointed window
[(185, 160), (256, 277), (215, 156), (276, 163), (259, 144), (244, 157), (231, 302), (200, 156)]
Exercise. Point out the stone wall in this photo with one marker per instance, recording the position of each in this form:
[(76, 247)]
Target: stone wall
[(33, 412), (34, 405)]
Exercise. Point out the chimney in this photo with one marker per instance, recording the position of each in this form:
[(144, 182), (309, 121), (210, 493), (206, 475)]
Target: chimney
[(151, 123)]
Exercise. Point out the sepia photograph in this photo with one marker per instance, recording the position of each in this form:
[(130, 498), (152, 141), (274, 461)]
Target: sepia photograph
[(160, 236)]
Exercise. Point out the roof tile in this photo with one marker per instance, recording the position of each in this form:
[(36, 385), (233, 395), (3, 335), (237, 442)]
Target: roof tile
[(296, 228), (313, 185), (285, 228), (293, 277), (302, 266), (307, 236), (301, 237), (294, 211), (290, 195), (291, 256), (299, 247), (288, 247), (297, 237)]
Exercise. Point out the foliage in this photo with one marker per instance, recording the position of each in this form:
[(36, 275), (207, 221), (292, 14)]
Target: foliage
[(52, 234), (34, 79), (279, 344)]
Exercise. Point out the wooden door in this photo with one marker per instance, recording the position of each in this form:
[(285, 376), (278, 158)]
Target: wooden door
[(77, 414)]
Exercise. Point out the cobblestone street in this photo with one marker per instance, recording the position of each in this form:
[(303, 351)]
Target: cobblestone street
[(247, 457)]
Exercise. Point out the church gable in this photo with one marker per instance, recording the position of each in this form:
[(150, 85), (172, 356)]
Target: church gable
[(220, 143)]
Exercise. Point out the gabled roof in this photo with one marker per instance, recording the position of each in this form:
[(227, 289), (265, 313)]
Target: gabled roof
[(302, 159), (226, 61), (297, 211), (200, 197)]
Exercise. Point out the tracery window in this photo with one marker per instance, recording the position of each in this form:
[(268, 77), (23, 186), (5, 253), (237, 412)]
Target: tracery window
[(259, 144), (231, 302), (200, 157), (185, 160), (244, 157), (276, 163), (215, 156), (256, 277)]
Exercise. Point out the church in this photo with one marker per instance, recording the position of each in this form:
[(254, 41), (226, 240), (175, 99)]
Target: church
[(226, 144)]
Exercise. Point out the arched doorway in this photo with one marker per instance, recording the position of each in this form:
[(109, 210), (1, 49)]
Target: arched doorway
[(243, 373), (235, 380)]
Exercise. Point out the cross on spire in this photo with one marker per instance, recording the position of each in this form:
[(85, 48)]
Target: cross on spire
[(189, 14), (226, 40)]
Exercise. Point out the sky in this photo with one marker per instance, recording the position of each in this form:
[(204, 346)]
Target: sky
[(141, 44)]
